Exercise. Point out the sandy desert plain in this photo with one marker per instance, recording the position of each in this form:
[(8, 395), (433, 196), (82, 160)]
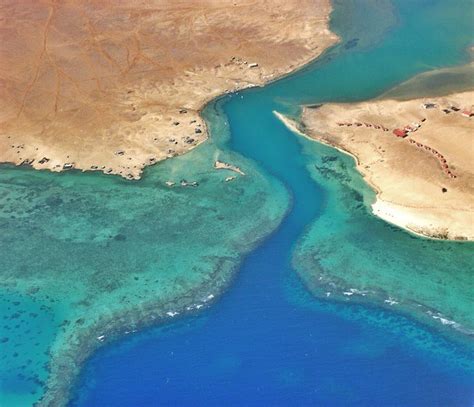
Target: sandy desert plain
[(117, 86)]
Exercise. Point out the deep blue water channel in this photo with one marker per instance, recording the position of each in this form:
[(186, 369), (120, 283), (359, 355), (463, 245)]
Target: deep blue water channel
[(267, 341)]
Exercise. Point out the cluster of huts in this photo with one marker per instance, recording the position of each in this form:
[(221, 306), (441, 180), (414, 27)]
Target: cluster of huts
[(398, 132), (403, 133), (466, 112), (438, 155), (239, 61), (414, 127), (359, 124)]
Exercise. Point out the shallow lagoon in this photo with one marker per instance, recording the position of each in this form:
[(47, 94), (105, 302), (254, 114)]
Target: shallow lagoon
[(267, 340)]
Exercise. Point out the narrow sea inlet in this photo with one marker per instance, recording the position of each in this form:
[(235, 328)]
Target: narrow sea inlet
[(277, 334)]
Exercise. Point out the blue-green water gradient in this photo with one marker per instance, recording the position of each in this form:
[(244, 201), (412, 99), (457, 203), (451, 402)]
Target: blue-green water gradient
[(268, 341)]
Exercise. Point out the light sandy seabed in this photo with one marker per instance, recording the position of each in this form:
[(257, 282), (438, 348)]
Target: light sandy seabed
[(117, 86), (424, 181), (435, 83)]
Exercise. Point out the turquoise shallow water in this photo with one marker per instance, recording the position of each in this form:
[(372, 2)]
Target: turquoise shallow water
[(87, 256), (76, 244)]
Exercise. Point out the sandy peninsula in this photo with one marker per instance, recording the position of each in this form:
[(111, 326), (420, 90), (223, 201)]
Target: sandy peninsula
[(116, 86), (416, 154)]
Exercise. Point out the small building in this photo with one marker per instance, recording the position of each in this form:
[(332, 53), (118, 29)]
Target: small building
[(253, 65), (400, 133), (429, 105), (467, 113)]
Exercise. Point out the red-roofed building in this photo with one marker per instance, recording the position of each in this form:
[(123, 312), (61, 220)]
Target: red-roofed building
[(400, 133)]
